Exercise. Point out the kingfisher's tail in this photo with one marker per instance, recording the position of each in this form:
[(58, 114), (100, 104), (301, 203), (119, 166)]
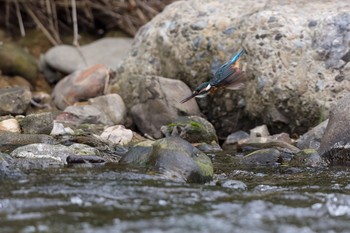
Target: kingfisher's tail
[(235, 58)]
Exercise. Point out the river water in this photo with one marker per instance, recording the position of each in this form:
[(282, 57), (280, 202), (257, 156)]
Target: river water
[(111, 199)]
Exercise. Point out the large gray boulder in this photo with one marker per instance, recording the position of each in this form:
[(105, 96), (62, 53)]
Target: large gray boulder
[(295, 60)]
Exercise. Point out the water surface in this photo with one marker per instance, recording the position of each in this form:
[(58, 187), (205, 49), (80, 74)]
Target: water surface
[(111, 199)]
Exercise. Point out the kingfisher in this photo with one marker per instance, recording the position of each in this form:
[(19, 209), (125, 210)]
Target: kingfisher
[(229, 76)]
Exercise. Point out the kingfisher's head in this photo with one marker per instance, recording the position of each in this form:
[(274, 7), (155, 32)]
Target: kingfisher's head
[(201, 91)]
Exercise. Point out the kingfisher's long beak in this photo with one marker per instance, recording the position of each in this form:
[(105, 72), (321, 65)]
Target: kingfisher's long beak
[(188, 98)]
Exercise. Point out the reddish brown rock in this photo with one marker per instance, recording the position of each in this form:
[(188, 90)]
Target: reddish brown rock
[(81, 85)]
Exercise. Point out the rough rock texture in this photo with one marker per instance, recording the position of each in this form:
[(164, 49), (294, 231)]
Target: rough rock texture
[(46, 155), (312, 138), (14, 100), (81, 85), (41, 123), (10, 141), (154, 101), (112, 106), (107, 51), (307, 158), (117, 134), (296, 60), (8, 169), (335, 143), (108, 110)]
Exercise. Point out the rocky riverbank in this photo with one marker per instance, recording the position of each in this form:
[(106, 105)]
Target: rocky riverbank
[(117, 100)]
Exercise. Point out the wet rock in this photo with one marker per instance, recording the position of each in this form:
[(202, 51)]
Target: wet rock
[(16, 61), (178, 159), (335, 141), (45, 155), (259, 131), (41, 123), (279, 141), (234, 184), (233, 139), (312, 138), (100, 147), (14, 100), (87, 159), (208, 148), (10, 141), (8, 169), (153, 101), (285, 59), (138, 155), (117, 134), (174, 158), (307, 158), (106, 51), (268, 156), (10, 125), (193, 129), (81, 85)]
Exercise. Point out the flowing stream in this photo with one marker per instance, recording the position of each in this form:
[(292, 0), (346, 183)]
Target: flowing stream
[(111, 199)]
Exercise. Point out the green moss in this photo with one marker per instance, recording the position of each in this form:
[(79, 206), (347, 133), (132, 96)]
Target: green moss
[(196, 124), (205, 165)]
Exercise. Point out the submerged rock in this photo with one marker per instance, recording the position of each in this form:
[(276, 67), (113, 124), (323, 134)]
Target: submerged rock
[(307, 158), (139, 154), (174, 158), (278, 141), (270, 156), (45, 155), (234, 184)]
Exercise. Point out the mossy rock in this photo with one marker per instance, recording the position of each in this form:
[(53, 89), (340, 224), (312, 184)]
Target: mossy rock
[(16, 61), (193, 129), (174, 158), (307, 158)]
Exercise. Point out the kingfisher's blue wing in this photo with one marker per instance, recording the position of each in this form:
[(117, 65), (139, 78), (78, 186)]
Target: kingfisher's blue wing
[(233, 77), (225, 74)]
